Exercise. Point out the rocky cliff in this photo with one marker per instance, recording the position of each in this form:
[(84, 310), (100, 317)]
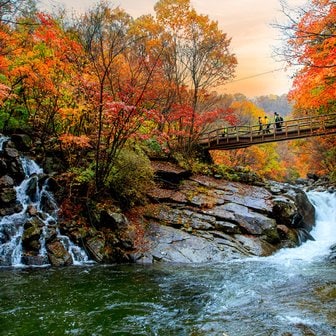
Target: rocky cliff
[(204, 219)]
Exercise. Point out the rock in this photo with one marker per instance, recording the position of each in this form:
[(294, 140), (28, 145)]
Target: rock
[(312, 176), (303, 235), (50, 234), (254, 197), (227, 227), (221, 213), (10, 209), (332, 256), (248, 220), (305, 209), (11, 153), (15, 170), (283, 210), (58, 255), (168, 244), (301, 181), (7, 196), (168, 174), (6, 182), (32, 188), (185, 218), (31, 210), (31, 238), (254, 223), (22, 142), (3, 167), (48, 204), (34, 222), (34, 260), (255, 246), (166, 195), (95, 246), (113, 220)]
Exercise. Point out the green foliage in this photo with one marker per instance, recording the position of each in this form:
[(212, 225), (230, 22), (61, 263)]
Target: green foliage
[(83, 175), (292, 174), (131, 177), (330, 163), (12, 117), (153, 148), (227, 173)]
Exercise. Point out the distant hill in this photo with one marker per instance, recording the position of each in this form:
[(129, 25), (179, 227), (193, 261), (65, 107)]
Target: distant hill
[(273, 103)]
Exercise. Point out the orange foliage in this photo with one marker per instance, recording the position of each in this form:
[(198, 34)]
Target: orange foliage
[(315, 44)]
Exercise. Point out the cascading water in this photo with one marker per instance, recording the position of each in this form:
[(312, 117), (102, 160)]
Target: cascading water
[(324, 231), (39, 213)]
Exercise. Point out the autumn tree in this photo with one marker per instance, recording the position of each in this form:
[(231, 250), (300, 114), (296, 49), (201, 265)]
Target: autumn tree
[(311, 45), (12, 13), (196, 58), (117, 82), (247, 112), (10, 10), (311, 40)]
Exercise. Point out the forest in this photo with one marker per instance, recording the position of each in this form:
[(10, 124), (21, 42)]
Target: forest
[(106, 93)]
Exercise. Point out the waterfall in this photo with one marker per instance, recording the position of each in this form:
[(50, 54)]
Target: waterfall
[(2, 141), (38, 212), (324, 231)]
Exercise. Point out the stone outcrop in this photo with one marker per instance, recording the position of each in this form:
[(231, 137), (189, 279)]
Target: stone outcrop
[(204, 219), (11, 174), (110, 239), (332, 256)]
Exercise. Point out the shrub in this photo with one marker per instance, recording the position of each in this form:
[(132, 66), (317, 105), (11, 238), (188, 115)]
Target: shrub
[(131, 178)]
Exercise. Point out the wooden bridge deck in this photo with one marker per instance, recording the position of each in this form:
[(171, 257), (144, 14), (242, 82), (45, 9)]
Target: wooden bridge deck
[(244, 136)]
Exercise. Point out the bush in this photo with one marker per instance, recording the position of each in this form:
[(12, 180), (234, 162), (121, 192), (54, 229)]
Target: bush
[(131, 178)]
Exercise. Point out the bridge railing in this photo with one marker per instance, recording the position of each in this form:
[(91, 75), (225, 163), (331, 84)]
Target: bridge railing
[(250, 132)]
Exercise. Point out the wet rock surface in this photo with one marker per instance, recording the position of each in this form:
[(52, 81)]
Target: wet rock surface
[(207, 219)]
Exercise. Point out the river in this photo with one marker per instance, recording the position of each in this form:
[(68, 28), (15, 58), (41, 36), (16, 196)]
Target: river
[(289, 294)]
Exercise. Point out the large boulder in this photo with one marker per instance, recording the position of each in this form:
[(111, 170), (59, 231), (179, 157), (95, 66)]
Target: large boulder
[(7, 196), (112, 220), (31, 235), (23, 142), (96, 247), (58, 255), (167, 244)]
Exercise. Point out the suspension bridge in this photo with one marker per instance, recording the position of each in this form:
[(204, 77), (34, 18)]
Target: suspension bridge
[(234, 137)]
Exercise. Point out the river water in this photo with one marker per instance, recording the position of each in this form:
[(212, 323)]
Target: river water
[(290, 293)]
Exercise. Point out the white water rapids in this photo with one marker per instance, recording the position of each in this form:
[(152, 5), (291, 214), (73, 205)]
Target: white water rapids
[(324, 231)]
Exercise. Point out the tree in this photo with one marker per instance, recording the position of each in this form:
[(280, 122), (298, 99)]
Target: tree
[(311, 45), (10, 10), (116, 83), (196, 58), (42, 72)]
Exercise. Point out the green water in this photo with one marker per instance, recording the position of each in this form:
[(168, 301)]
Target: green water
[(242, 298)]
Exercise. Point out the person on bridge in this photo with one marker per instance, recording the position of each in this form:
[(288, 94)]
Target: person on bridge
[(278, 122), (260, 122), (267, 125)]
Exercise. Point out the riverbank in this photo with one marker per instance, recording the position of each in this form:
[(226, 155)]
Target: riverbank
[(188, 218)]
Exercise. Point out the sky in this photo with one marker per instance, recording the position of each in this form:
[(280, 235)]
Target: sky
[(247, 22)]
